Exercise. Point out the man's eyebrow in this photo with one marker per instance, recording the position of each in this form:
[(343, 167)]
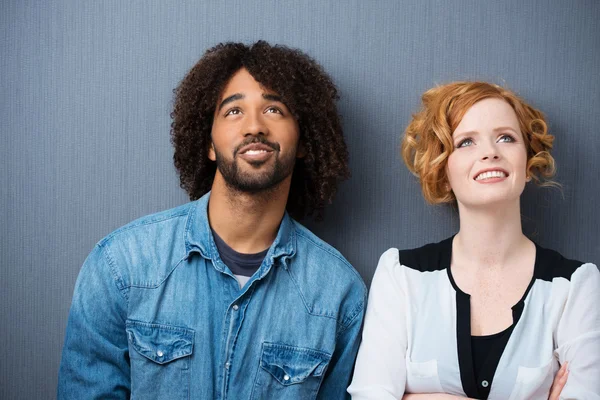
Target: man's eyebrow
[(273, 97), (231, 98)]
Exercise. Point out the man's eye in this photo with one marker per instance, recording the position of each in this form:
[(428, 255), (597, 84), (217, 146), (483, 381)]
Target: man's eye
[(465, 143), (506, 138), (233, 111), (273, 110)]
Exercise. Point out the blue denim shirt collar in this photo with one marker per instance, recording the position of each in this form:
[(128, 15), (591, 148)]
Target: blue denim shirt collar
[(199, 238)]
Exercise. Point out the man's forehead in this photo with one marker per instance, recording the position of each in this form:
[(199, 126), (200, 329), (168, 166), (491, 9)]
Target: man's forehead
[(240, 85), (241, 96), (242, 79)]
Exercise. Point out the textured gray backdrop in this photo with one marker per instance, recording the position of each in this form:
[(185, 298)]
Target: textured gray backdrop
[(86, 92)]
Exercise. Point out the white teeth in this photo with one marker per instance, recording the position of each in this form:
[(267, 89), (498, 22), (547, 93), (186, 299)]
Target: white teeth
[(251, 152), (490, 174)]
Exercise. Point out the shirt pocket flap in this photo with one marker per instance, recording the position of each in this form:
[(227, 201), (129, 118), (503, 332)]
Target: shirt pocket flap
[(421, 370), (160, 343), (423, 377), (290, 364)]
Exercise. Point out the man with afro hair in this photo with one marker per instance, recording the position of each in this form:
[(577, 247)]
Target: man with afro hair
[(228, 296)]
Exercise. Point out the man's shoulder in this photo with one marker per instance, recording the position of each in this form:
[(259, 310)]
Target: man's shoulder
[(309, 245), (318, 266), (148, 248), (150, 224)]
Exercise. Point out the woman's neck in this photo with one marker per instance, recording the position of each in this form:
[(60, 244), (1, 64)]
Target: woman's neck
[(489, 236)]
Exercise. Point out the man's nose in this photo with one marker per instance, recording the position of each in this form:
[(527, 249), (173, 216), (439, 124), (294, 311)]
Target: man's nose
[(255, 125)]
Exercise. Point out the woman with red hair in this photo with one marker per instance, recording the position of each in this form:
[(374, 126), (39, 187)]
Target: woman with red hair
[(486, 313)]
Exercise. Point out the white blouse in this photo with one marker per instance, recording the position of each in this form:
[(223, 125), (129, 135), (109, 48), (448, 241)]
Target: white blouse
[(417, 335)]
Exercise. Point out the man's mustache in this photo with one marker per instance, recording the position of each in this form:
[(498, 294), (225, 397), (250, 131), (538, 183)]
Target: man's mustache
[(256, 139)]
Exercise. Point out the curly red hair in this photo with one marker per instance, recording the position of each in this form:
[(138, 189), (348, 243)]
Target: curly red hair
[(427, 141)]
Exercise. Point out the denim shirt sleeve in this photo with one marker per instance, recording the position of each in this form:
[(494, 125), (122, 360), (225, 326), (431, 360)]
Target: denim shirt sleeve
[(95, 362), (340, 369)]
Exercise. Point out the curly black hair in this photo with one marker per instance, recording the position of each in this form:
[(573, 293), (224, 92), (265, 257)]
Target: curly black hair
[(306, 90)]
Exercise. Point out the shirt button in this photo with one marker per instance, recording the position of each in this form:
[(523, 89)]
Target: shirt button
[(227, 365), (286, 377), (235, 307), (485, 384), (159, 353)]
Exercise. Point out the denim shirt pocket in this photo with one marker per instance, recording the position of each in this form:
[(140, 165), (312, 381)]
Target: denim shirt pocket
[(160, 359), (289, 372)]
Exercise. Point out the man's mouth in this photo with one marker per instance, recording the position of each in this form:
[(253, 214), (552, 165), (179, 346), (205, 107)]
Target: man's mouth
[(255, 149), (255, 146)]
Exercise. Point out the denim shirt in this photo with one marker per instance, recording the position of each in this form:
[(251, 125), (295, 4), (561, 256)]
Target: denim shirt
[(157, 315)]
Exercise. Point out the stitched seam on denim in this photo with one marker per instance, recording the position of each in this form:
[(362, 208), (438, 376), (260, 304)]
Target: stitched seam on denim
[(350, 319), (291, 246), (318, 388), (174, 328), (327, 248), (159, 283), (315, 393), (258, 370), (280, 345), (215, 256), (308, 309), (188, 223), (134, 224), (185, 334), (321, 355), (249, 292), (119, 283)]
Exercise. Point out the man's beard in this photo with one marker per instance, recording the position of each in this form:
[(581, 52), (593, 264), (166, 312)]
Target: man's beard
[(253, 180)]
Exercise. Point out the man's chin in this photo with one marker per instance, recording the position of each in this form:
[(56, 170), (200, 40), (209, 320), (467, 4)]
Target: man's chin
[(256, 163), (251, 188), (247, 183), (253, 176)]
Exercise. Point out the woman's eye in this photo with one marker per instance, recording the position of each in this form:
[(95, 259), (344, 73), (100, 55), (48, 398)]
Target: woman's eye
[(506, 138), (465, 143)]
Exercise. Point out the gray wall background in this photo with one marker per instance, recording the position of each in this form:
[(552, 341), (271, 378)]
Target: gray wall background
[(86, 92)]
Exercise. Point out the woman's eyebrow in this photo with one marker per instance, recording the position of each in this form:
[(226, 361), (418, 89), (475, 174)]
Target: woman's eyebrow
[(465, 133), (504, 128)]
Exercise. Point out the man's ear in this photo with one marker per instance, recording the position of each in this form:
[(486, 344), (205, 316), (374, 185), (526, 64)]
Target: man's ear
[(211, 152), (301, 151)]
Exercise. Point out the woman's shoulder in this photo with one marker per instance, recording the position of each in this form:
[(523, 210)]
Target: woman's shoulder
[(552, 265), (427, 258), (402, 268)]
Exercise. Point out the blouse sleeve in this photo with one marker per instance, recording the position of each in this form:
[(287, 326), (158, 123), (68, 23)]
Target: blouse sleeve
[(380, 370), (578, 335)]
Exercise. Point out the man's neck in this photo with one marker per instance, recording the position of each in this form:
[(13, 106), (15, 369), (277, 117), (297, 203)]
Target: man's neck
[(247, 222)]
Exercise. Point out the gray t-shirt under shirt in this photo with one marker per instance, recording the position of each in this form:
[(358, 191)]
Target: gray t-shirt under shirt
[(242, 265)]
